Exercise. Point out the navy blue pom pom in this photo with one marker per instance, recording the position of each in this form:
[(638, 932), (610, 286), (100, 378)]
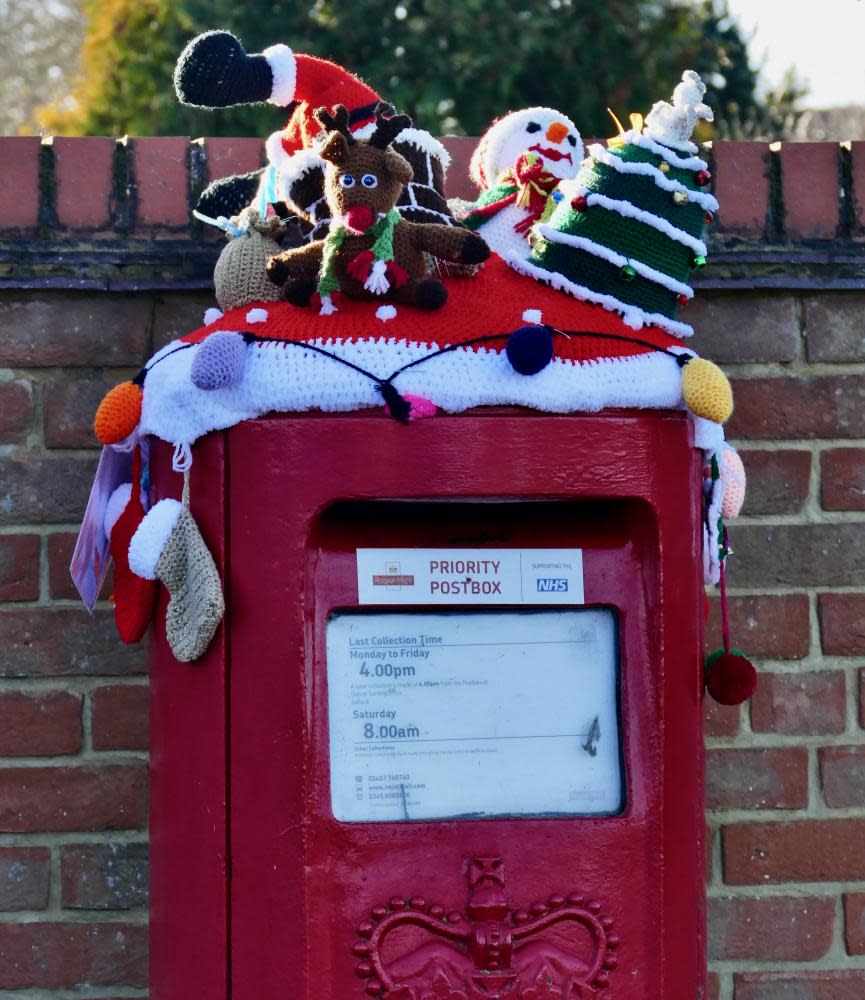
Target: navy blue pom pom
[(530, 349)]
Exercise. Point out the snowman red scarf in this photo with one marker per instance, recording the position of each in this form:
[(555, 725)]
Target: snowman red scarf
[(529, 186)]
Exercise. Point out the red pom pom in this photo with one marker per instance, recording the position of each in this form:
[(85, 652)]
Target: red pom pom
[(703, 177), (683, 300), (710, 218), (580, 203), (730, 677)]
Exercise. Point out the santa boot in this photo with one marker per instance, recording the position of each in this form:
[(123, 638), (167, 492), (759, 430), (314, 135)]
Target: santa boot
[(168, 546), (133, 595)]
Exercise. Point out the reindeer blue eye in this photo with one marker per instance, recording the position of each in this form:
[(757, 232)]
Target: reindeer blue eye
[(347, 180), (369, 180)]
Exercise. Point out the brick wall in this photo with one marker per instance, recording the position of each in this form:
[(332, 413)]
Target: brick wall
[(99, 266)]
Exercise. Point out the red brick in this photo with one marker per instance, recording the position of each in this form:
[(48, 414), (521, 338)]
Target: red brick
[(822, 555), (811, 189), (733, 328), (177, 314), (771, 627), (25, 876), (39, 490), (227, 156), (45, 724), (714, 986), (60, 546), (19, 182), (19, 567), (758, 778), (842, 478), (795, 851), (800, 704), (815, 406), (842, 773), (16, 411), (770, 928), (742, 185), (842, 623), (720, 720), (120, 717), (854, 922), (102, 797), (65, 642), (69, 409), (68, 329), (800, 985), (103, 876), (778, 481), (858, 157), (57, 955), (834, 328), (459, 184), (161, 170), (84, 174)]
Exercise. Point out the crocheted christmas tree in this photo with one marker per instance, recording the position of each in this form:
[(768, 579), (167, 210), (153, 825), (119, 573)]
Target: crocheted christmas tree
[(629, 230)]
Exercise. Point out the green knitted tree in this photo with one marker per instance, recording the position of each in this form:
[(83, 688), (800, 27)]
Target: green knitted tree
[(628, 230)]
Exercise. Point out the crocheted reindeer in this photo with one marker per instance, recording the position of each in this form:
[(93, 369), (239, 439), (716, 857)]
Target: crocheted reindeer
[(370, 252)]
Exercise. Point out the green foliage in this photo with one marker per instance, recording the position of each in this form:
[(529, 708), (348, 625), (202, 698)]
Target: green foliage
[(452, 66)]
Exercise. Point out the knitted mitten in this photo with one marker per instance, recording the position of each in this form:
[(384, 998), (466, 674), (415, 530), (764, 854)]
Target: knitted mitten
[(168, 546), (133, 595)]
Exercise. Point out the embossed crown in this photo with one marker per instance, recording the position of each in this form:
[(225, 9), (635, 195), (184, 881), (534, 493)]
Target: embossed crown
[(561, 949)]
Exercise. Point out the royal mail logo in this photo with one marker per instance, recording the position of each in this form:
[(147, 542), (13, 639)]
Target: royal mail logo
[(552, 585), (392, 577)]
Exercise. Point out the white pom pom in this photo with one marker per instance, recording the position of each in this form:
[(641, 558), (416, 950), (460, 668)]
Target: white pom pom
[(211, 315), (533, 316), (256, 316), (377, 282), (384, 313), (327, 306)]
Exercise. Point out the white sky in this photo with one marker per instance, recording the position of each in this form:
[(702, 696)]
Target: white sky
[(824, 41)]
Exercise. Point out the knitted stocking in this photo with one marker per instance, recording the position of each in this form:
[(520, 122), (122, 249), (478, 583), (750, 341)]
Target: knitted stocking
[(168, 546), (133, 596)]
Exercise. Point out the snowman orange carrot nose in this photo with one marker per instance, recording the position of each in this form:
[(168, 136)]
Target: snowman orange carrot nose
[(557, 131)]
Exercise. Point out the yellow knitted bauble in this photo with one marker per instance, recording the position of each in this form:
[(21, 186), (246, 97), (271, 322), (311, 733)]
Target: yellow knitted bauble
[(707, 391)]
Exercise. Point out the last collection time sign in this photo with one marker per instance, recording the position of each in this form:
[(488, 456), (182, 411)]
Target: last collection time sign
[(466, 714)]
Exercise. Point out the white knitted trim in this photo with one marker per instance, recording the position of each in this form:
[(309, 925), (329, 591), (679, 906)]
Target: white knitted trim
[(617, 259), (416, 137), (630, 211), (707, 434), (632, 315), (283, 65), (283, 378), (701, 198), (151, 537), (116, 505), (635, 138)]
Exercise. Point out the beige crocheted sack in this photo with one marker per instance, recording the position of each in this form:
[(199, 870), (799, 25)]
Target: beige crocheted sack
[(239, 274)]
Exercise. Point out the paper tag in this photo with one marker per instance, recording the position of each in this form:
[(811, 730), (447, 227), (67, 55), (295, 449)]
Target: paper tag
[(92, 556), (470, 576)]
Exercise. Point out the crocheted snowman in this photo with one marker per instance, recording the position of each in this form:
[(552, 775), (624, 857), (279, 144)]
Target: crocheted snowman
[(518, 165)]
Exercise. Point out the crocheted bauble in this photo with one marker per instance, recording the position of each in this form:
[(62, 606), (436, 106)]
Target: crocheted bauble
[(735, 483), (730, 677), (629, 229), (706, 390), (529, 349), (219, 362), (239, 276), (118, 413)]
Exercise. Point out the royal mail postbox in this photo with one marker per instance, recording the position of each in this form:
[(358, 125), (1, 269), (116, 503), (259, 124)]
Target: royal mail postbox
[(447, 743)]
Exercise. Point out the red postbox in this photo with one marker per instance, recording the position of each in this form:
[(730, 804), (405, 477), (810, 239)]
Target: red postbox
[(518, 813)]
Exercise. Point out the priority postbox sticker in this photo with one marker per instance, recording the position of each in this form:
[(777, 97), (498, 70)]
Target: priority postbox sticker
[(470, 576)]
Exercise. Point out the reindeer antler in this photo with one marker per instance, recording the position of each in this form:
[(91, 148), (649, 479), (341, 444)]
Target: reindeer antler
[(336, 122), (387, 129)]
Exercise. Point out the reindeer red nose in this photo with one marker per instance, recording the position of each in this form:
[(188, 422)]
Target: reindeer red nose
[(359, 218)]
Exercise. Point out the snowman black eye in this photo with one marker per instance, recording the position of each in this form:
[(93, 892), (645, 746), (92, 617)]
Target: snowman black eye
[(369, 180), (572, 139), (533, 127), (347, 180)]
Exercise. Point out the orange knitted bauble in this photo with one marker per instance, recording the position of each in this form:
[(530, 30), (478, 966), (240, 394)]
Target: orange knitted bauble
[(118, 413)]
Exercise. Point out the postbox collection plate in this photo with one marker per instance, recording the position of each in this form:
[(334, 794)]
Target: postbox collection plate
[(473, 714)]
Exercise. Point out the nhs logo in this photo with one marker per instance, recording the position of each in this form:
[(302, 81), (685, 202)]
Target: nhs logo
[(552, 585)]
